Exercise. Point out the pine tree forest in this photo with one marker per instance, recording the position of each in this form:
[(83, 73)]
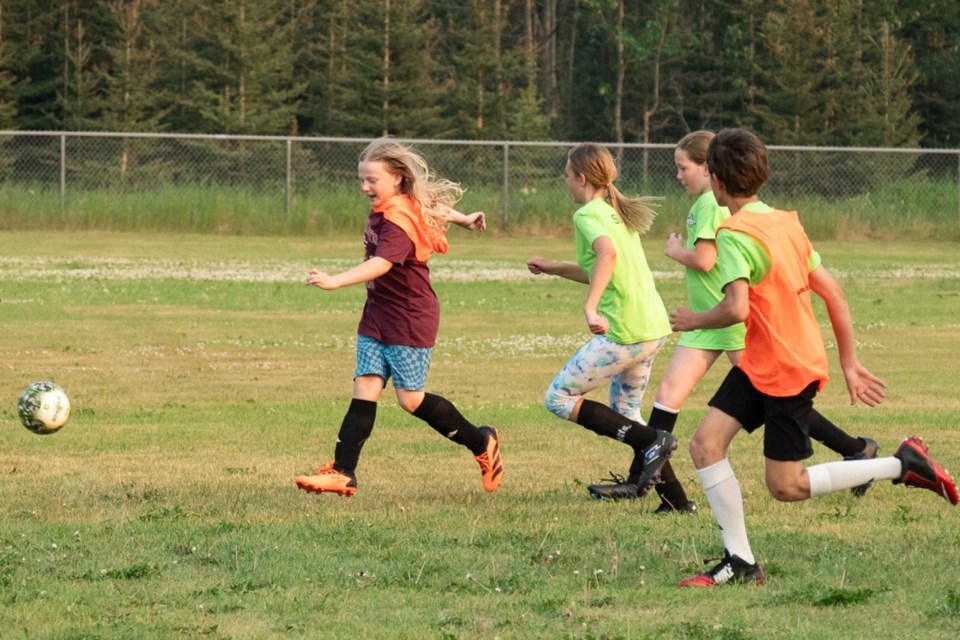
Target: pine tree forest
[(804, 72)]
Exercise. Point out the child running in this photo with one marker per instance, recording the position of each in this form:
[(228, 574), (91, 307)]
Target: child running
[(622, 309), (699, 349), (410, 209), (767, 270)]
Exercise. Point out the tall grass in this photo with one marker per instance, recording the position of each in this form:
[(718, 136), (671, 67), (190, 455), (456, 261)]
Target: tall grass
[(907, 209)]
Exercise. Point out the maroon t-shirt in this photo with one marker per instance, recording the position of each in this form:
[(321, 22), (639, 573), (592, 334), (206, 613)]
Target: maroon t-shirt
[(401, 307)]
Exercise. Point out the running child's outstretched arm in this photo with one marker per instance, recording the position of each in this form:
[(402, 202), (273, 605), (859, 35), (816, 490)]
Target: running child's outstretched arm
[(568, 270), (861, 384), (476, 220), (363, 272)]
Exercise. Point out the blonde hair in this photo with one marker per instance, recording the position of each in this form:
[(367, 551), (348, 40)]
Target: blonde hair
[(695, 145), (597, 166), (433, 196)]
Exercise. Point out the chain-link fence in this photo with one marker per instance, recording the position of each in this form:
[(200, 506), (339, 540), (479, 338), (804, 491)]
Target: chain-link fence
[(311, 182)]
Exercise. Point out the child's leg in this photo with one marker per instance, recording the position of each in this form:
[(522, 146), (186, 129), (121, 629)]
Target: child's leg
[(686, 368), (833, 437), (708, 447), (445, 419), (595, 364)]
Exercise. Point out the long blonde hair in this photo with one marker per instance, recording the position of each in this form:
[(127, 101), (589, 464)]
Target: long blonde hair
[(433, 196), (597, 166)]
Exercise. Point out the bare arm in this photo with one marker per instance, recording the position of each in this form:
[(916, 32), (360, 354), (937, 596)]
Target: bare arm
[(861, 384), (568, 270), (734, 308), (702, 257), (475, 220), (363, 272), (602, 272)]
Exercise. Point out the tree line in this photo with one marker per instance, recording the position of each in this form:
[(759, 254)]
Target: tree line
[(809, 72)]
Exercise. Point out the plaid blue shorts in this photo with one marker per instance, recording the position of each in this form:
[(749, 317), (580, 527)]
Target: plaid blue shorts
[(407, 365)]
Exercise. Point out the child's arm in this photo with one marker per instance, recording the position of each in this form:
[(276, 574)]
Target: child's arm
[(602, 272), (363, 272), (861, 383), (475, 220), (568, 270), (702, 257), (733, 309)]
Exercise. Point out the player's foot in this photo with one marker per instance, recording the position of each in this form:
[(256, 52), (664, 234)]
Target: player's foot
[(491, 464), (645, 470), (616, 487), (869, 453), (732, 569), (688, 508), (920, 470), (327, 479)]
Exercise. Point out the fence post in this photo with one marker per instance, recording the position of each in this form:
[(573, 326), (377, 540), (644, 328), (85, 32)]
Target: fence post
[(286, 206), (63, 174), (505, 205)]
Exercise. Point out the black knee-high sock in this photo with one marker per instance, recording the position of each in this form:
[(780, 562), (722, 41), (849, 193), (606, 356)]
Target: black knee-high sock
[(440, 414), (356, 428), (604, 421), (669, 488), (832, 436)]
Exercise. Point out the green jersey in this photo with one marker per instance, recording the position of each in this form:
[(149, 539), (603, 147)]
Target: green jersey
[(630, 303), (703, 287)]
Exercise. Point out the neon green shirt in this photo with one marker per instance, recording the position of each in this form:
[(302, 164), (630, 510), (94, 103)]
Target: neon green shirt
[(741, 256), (630, 303), (703, 287)]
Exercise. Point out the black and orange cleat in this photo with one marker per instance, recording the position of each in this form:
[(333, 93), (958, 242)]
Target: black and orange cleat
[(732, 569), (491, 464), (920, 470), (327, 479)]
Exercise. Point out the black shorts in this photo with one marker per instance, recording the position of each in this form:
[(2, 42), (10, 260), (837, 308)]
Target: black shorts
[(787, 436)]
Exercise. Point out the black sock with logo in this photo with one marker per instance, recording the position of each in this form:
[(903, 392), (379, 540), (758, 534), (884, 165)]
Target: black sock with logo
[(356, 428), (446, 420)]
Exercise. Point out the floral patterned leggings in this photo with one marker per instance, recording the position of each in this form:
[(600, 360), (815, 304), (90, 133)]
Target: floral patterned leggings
[(626, 366)]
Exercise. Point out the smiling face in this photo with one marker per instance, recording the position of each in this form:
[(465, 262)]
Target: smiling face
[(377, 183), (694, 177)]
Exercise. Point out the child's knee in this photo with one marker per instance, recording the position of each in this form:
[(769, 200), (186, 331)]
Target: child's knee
[(559, 404)]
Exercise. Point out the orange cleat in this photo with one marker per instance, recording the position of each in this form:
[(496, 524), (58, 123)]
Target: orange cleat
[(326, 479), (491, 465)]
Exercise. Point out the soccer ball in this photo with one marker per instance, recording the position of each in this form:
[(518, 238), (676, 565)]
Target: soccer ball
[(44, 407)]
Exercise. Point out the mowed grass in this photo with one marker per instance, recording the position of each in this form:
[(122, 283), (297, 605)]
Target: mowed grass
[(204, 375)]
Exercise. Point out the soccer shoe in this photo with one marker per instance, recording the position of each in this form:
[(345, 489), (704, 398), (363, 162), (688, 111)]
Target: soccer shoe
[(616, 487), (491, 465), (326, 479), (665, 507), (645, 470), (920, 470), (732, 569), (869, 453)]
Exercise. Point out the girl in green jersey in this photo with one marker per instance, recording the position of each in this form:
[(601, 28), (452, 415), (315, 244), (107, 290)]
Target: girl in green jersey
[(624, 312)]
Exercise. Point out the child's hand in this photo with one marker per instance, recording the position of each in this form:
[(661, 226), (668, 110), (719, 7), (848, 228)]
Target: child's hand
[(538, 265), (475, 220), (674, 243), (681, 319), (597, 323), (863, 385), (322, 280)]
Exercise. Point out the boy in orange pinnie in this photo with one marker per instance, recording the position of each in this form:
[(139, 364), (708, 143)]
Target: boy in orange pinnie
[(768, 269)]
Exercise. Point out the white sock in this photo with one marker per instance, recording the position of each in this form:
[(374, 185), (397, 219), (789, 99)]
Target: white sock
[(723, 493), (836, 476)]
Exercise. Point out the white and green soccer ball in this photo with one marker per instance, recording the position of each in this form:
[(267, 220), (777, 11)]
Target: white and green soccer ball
[(44, 407)]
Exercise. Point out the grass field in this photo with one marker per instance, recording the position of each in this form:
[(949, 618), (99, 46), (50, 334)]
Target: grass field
[(204, 375)]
